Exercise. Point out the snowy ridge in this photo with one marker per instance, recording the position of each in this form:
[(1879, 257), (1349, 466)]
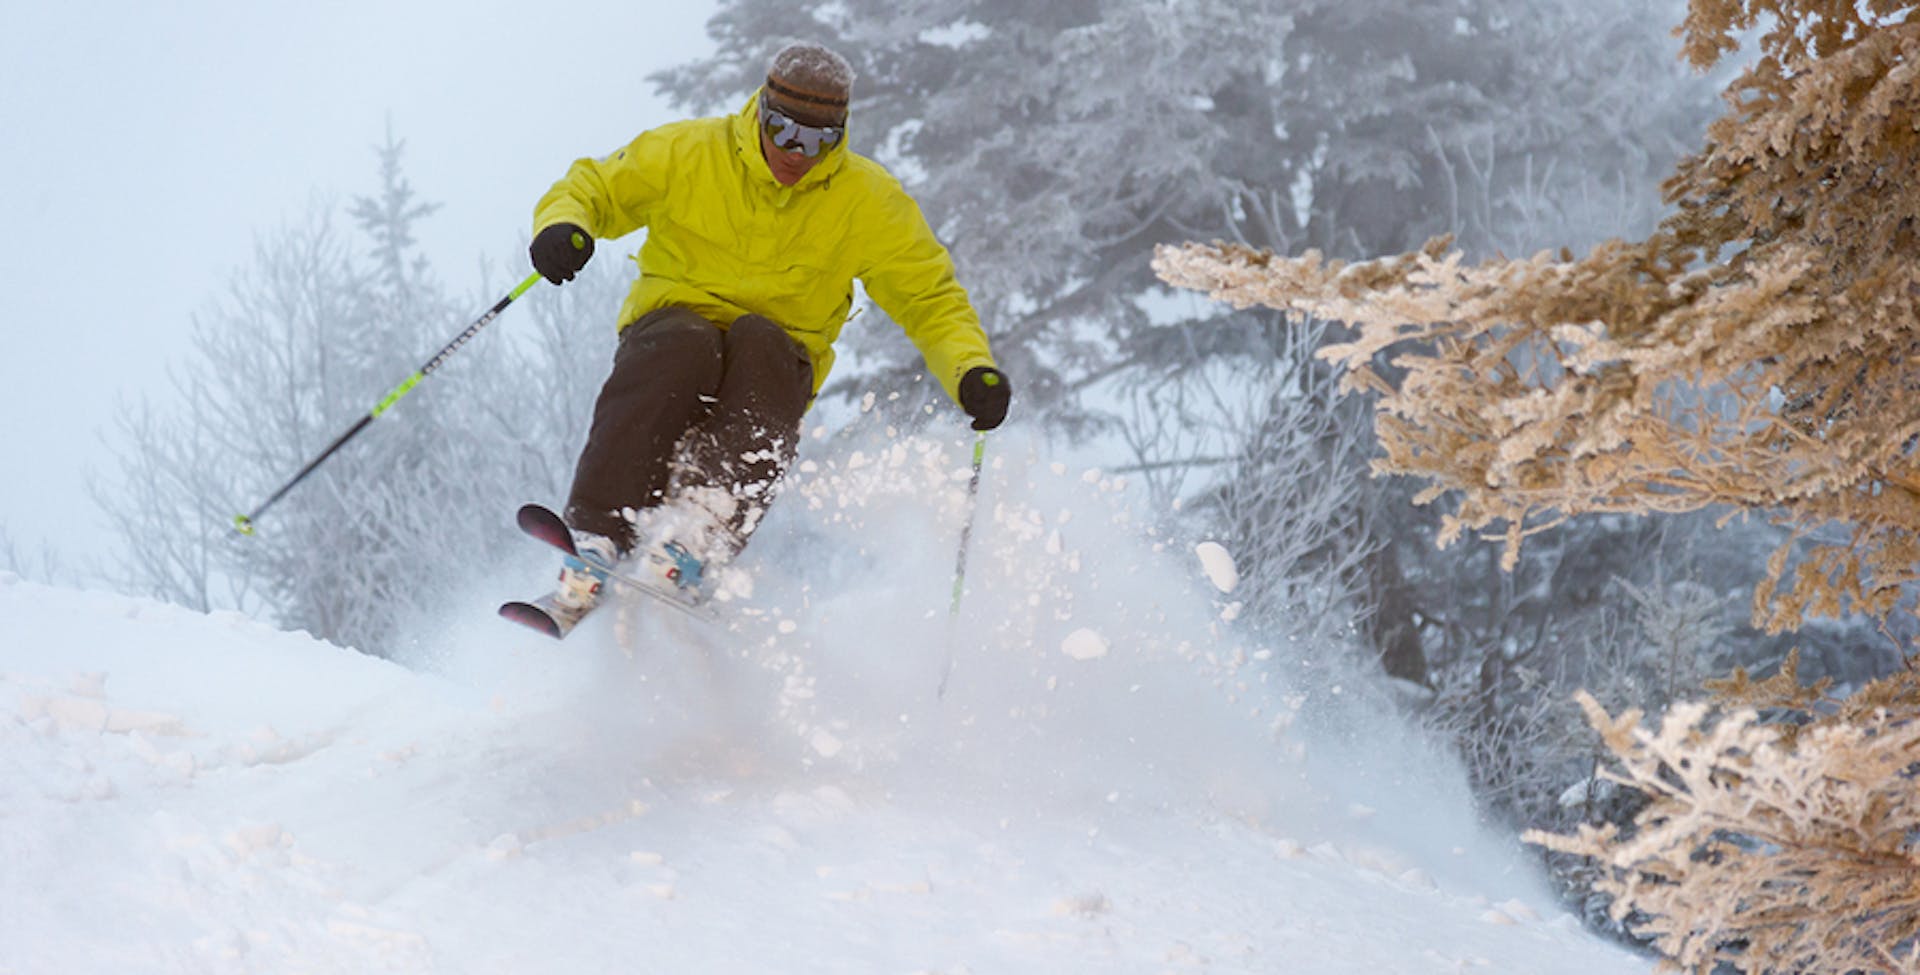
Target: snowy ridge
[(192, 793)]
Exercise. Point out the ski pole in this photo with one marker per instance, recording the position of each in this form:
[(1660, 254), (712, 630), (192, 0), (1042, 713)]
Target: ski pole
[(960, 568), (244, 523)]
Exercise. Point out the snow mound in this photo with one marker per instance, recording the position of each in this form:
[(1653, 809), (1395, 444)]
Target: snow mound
[(182, 792)]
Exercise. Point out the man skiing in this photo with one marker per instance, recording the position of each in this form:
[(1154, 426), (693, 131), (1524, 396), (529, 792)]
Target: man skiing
[(757, 225)]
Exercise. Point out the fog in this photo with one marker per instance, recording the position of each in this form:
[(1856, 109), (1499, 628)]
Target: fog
[(147, 144)]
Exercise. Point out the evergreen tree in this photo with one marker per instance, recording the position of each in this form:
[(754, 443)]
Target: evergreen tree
[(1749, 354), (1753, 353), (1776, 845), (1053, 145)]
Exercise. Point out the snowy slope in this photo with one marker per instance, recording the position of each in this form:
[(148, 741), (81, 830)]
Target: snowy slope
[(1111, 785)]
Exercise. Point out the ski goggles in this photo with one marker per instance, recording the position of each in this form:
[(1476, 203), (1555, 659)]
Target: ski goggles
[(790, 134)]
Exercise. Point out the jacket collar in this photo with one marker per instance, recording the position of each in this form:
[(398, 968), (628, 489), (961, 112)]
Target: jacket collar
[(746, 143)]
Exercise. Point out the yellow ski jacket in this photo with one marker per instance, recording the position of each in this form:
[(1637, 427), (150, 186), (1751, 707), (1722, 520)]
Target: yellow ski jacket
[(724, 238)]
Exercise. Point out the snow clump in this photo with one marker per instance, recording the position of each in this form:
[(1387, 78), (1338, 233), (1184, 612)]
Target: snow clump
[(1217, 563)]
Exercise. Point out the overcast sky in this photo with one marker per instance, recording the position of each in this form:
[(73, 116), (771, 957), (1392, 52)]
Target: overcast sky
[(144, 144)]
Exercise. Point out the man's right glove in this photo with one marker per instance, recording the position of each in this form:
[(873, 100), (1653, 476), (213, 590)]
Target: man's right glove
[(559, 251), (984, 394)]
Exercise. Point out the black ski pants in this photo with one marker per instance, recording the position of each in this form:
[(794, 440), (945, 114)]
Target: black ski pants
[(691, 405)]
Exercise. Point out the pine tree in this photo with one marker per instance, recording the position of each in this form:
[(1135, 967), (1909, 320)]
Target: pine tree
[(1749, 353), (1754, 352), (1052, 145), (1768, 846)]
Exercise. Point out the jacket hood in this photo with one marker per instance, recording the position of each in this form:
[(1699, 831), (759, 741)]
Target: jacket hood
[(746, 143)]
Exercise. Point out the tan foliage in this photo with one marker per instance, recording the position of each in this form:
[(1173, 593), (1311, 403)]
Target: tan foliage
[(1782, 692), (1774, 855), (1895, 697), (1761, 350)]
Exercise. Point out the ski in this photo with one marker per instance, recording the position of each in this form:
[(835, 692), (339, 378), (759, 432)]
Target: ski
[(544, 614), (547, 616)]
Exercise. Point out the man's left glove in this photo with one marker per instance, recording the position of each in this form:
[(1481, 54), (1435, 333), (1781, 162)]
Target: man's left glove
[(560, 251), (984, 394)]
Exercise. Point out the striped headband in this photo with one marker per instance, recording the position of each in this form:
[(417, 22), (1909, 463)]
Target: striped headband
[(836, 101)]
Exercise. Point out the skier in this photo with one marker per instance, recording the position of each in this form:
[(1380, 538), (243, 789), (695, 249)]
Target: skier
[(757, 225)]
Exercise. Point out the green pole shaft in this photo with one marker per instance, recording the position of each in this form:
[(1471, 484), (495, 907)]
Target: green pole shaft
[(960, 567), (244, 523)]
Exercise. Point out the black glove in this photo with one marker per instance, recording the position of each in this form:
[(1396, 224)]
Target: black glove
[(560, 251), (984, 394)]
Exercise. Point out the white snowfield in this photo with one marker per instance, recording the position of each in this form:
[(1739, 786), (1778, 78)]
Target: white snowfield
[(182, 792)]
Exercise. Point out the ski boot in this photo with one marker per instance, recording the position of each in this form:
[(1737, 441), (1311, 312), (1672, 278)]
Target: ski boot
[(677, 568), (582, 582)]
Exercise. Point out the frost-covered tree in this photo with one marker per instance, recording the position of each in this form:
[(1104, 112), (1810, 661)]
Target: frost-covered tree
[(309, 336), (234, 420), (1620, 609), (42, 565), (1768, 846), (1053, 145), (1752, 352), (1249, 451), (1755, 352)]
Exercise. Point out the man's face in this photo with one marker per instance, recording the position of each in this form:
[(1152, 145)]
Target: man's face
[(789, 165)]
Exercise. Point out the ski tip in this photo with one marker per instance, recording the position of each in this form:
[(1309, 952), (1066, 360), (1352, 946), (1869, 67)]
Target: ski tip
[(546, 526), (538, 512), (533, 618)]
